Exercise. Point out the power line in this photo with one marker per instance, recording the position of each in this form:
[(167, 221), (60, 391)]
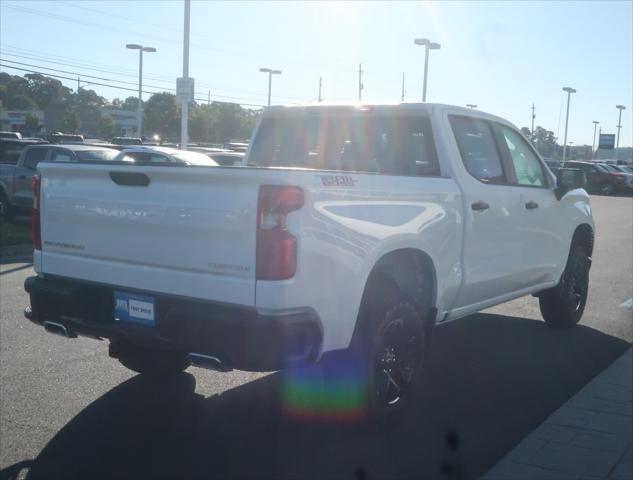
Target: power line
[(158, 38), (116, 87), (76, 64)]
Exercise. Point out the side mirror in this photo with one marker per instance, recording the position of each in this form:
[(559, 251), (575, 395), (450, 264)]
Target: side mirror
[(569, 179)]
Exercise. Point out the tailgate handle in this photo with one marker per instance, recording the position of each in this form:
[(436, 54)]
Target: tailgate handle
[(130, 179)]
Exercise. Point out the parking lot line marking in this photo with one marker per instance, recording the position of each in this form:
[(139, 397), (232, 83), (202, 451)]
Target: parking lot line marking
[(628, 303)]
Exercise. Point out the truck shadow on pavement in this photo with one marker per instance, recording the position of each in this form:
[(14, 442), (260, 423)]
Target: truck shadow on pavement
[(489, 381)]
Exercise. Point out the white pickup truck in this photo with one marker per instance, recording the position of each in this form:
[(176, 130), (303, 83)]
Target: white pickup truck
[(353, 228)]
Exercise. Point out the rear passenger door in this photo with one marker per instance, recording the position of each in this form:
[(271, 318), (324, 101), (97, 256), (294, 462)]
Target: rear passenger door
[(492, 252), (23, 173)]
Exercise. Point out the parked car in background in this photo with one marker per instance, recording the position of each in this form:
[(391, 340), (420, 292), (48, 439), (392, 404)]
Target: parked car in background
[(15, 135), (612, 167), (127, 141), (164, 156), (64, 138), (601, 180), (10, 148), (15, 180), (553, 165), (236, 146), (222, 156)]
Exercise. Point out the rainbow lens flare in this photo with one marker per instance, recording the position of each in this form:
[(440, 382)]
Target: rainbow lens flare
[(334, 390)]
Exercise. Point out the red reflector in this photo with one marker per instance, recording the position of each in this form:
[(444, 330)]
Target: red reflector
[(36, 233), (276, 247)]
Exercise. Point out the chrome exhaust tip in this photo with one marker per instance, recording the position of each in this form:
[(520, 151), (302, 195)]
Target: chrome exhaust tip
[(59, 329), (209, 362)]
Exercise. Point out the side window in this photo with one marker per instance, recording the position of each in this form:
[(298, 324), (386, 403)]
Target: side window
[(158, 158), (34, 156), (405, 146), (478, 149), (527, 166), (61, 156)]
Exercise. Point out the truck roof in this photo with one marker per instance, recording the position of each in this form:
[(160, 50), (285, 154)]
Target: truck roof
[(380, 107)]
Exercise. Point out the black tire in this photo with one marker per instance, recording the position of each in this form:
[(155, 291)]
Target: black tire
[(607, 189), (391, 341), (149, 362), (563, 305)]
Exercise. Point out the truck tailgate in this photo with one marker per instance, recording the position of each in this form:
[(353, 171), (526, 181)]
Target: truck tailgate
[(191, 231)]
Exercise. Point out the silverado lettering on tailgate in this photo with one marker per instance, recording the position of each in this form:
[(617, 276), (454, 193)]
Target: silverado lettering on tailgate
[(337, 180)]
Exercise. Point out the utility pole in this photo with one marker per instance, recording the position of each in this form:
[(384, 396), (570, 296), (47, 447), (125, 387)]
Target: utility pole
[(78, 86), (184, 120), (320, 85), (402, 98), (207, 115), (569, 91), (593, 147), (619, 126), (533, 117), (360, 81)]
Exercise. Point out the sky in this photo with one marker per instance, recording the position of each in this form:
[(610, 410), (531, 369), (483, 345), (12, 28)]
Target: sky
[(501, 56)]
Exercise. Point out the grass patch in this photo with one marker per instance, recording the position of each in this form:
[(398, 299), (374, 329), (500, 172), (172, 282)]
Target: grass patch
[(11, 234)]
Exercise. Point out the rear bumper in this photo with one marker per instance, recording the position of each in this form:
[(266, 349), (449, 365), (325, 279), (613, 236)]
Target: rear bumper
[(241, 337)]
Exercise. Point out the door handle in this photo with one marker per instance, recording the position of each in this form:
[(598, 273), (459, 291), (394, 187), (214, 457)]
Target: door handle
[(130, 179), (480, 206), (531, 205)]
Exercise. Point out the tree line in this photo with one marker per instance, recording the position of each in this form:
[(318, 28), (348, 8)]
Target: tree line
[(79, 111)]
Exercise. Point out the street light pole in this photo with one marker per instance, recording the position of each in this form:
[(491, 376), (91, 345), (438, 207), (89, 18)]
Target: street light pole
[(619, 126), (141, 49), (270, 73), (569, 91), (593, 148), (428, 45), (184, 107)]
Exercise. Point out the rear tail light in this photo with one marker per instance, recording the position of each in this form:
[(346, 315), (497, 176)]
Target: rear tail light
[(36, 233), (276, 246)]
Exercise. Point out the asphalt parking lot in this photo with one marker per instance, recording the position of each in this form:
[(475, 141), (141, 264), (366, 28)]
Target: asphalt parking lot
[(69, 411)]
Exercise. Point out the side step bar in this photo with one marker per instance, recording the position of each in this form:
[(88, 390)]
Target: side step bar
[(209, 362)]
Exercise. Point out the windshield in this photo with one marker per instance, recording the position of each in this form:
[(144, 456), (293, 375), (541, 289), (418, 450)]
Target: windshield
[(101, 155), (355, 142)]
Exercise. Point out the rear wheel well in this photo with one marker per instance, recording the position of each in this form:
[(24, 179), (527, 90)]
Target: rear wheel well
[(412, 271), (583, 236)]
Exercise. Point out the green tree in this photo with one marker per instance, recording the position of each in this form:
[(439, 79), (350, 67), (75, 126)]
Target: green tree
[(88, 106), (545, 142), (201, 122), (21, 102), (46, 91), (130, 103), (70, 121), (105, 127), (13, 92), (32, 123), (526, 133), (162, 116)]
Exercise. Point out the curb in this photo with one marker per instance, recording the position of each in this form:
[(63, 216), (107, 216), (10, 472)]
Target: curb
[(16, 250)]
